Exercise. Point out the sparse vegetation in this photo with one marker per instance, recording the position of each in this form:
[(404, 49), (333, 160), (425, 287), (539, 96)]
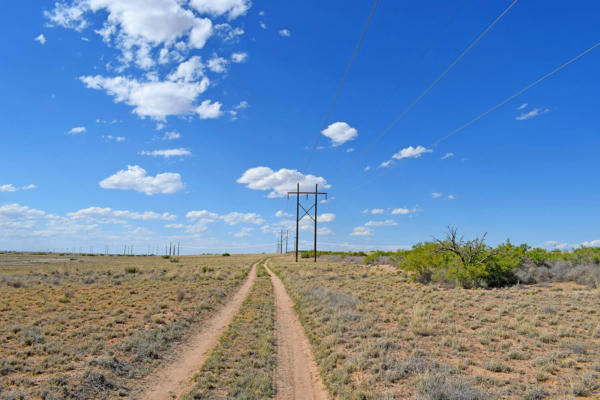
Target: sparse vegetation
[(93, 326), (243, 363), (378, 334)]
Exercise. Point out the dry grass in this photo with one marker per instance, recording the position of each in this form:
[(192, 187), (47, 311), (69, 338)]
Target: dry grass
[(91, 326), (242, 365), (377, 335)]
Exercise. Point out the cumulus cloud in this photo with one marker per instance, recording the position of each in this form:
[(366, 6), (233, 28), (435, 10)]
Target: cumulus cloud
[(12, 188), (404, 211), (136, 178), (451, 197), (279, 182), (377, 211), (234, 218), (243, 104), (239, 57), (208, 110), (591, 243), (100, 214), (323, 231), (367, 168), (115, 138), (340, 133), (387, 222), (327, 217), (41, 38), (167, 153), (285, 33), (8, 188), (531, 114), (385, 164), (411, 152), (156, 100), (171, 135), (447, 155), (76, 130), (188, 71), (217, 64), (227, 32), (362, 231), (282, 214), (231, 8)]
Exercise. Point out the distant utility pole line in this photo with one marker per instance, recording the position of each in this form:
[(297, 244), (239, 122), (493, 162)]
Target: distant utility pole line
[(297, 193)]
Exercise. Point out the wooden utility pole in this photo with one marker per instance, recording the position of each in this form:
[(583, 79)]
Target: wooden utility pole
[(306, 212)]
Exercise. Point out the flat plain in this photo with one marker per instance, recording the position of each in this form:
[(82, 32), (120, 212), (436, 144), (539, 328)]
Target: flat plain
[(376, 334), (80, 326)]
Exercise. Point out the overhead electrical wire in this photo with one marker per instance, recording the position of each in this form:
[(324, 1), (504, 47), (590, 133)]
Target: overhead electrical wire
[(429, 88), (339, 90), (508, 99)]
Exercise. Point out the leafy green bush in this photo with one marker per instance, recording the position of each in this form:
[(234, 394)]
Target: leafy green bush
[(226, 255)]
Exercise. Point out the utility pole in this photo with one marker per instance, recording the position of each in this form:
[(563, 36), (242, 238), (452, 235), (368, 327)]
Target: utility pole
[(286, 241), (281, 241), (306, 212)]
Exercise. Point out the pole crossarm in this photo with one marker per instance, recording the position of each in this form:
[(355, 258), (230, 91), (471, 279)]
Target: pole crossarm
[(298, 193)]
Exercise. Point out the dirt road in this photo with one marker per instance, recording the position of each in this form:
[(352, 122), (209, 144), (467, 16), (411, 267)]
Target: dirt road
[(176, 378), (297, 376)]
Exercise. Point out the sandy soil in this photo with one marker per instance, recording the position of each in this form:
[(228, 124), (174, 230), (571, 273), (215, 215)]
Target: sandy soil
[(175, 379), (297, 375)]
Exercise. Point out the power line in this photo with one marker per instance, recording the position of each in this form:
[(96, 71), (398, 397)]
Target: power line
[(508, 99), (337, 95), (429, 88)]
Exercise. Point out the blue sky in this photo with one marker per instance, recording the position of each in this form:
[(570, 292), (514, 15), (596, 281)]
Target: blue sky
[(148, 122)]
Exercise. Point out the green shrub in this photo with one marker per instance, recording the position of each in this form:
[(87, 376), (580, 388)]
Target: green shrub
[(226, 255)]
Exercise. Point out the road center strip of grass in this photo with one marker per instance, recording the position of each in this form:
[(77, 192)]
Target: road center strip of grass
[(242, 365)]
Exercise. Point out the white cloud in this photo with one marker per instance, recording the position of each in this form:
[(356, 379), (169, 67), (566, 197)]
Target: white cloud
[(367, 168), (349, 150), (156, 100), (263, 25), (522, 106), (234, 218), (76, 130), (279, 182), (12, 188), (387, 222), (282, 214), (285, 33), (232, 8), (411, 152), (203, 214), (377, 211), (188, 71), (243, 104), (591, 243), (41, 38), (100, 214), (239, 57), (385, 164), (227, 32), (340, 133), (217, 64), (405, 211), (451, 197), (361, 231), (245, 231), (208, 110), (136, 178), (200, 33), (447, 155), (115, 138), (531, 114), (435, 195), (174, 226), (167, 153), (8, 188), (67, 16), (327, 217), (171, 135), (323, 231)]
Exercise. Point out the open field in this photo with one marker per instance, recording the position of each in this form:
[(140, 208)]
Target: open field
[(92, 326), (375, 334)]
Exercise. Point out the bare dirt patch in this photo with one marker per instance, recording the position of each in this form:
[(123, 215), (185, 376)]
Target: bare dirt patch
[(297, 375), (176, 378)]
